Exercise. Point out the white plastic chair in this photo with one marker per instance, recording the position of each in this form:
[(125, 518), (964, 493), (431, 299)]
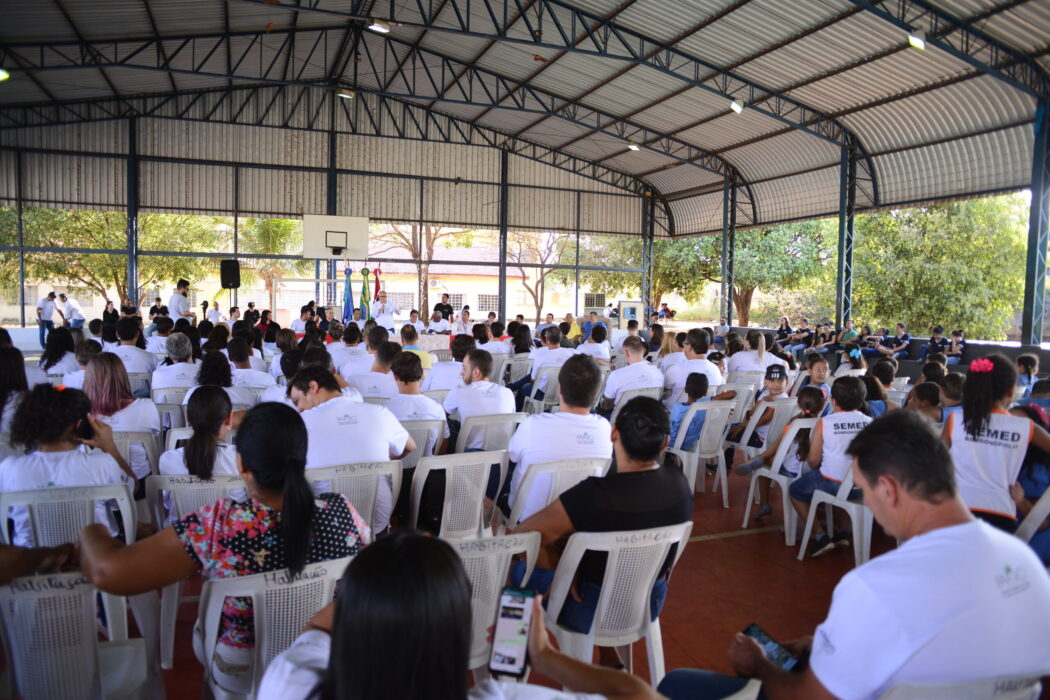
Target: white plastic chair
[(51, 642), (377, 400), (708, 446), (780, 406), (1020, 687), (653, 392), (558, 477), (499, 362), (896, 397), (745, 396), (175, 436), (437, 394), (359, 482), (442, 355), (860, 517), (622, 615), (139, 380), (124, 439), (1028, 527), (899, 383), (752, 377), (174, 394), (281, 607), (497, 429), (466, 478), (772, 473), (172, 415), (487, 562), (550, 394), (517, 367), (188, 493), (427, 436), (796, 383), (58, 514)]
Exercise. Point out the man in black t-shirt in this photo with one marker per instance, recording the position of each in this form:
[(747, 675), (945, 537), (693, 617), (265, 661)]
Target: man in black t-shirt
[(642, 494), (251, 314), (158, 309), (444, 308)]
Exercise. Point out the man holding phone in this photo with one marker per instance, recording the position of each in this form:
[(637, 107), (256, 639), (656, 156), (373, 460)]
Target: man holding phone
[(957, 602)]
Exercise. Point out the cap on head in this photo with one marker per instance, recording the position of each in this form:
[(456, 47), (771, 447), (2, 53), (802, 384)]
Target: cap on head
[(776, 372)]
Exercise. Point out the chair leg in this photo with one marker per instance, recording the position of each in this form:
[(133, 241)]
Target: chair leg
[(169, 611), (790, 517), (724, 478), (869, 524), (751, 491), (654, 647), (809, 529), (701, 475), (831, 519), (116, 608), (626, 657)]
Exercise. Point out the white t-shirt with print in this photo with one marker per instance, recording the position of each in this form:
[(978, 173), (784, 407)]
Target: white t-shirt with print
[(342, 431), (838, 431), (985, 468), (140, 414), (135, 360), (175, 376), (440, 326), (678, 374), (339, 352), (252, 378), (953, 605), (374, 384), (418, 407), (478, 399), (157, 344), (178, 306), (640, 375), (548, 357), (73, 380), (763, 430), (599, 351), (356, 363), (443, 375), (549, 437)]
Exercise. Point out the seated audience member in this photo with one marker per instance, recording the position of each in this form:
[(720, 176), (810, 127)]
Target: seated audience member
[(182, 372), (775, 387), (784, 331), (409, 340), (936, 343), (1040, 394), (107, 387), (926, 399), (547, 323), (595, 346), (786, 358), (938, 357), (157, 343), (449, 373), (551, 354), (378, 436), (378, 382), (521, 341), (439, 325), (215, 370), (216, 339), (798, 341), (1033, 481), (672, 351), (591, 323), (243, 375), (952, 393), (110, 341), (95, 329), (300, 527), (696, 387), (641, 494), (464, 324), (657, 337), (695, 352), (352, 345), (478, 395), (570, 433), (566, 342), (298, 326), (290, 363), (632, 330), (636, 374), (756, 358), (59, 355), (415, 588), (718, 359), (284, 341), (413, 320), (722, 330), (135, 359), (493, 345), (897, 346), (987, 444), (956, 347), (13, 385), (875, 397), (84, 352), (824, 342), (255, 357), (360, 363), (574, 333), (892, 620), (206, 452), (817, 375), (828, 458), (852, 359), (1027, 369), (51, 425), (884, 371), (410, 404)]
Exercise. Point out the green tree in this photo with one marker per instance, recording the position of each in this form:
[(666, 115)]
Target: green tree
[(273, 237), (540, 250), (418, 242)]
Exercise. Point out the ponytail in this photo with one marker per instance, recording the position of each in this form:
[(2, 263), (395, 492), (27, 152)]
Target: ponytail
[(989, 380), (271, 441), (208, 408), (757, 341)]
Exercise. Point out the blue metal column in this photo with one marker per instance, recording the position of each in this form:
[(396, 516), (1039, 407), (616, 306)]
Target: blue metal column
[(236, 215), (648, 231), (333, 189), (504, 212), (847, 220), (728, 248), (133, 213), (21, 239), (1038, 231)]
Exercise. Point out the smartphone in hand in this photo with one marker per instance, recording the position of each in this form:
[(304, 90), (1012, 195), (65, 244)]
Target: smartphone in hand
[(510, 643), (773, 649)]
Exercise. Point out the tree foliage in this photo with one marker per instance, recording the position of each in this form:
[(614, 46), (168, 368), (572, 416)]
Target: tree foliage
[(542, 248), (272, 237), (418, 241)]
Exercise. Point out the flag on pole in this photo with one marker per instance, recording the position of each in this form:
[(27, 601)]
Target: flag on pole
[(376, 272), (365, 300), (348, 297)]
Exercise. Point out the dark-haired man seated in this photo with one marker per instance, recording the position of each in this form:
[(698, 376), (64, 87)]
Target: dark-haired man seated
[(957, 602)]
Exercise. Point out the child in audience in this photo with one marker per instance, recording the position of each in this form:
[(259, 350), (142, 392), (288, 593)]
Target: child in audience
[(925, 398), (810, 403), (956, 347), (952, 393), (937, 343), (938, 357), (877, 401), (696, 386), (719, 361), (817, 375), (1027, 368), (852, 359), (1040, 394), (987, 444), (1033, 481), (775, 388), (884, 371)]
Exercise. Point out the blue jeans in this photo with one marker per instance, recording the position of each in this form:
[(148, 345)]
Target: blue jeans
[(694, 684), (45, 328), (795, 349), (953, 360), (77, 323)]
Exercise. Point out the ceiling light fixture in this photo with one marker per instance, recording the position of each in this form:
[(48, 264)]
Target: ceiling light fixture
[(917, 40), (347, 94), (4, 75), (737, 106), (633, 146), (381, 26)]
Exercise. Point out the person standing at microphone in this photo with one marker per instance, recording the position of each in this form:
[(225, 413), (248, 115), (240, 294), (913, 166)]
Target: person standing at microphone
[(383, 312)]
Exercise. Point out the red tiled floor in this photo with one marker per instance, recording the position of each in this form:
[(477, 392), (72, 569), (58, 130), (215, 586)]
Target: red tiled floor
[(718, 587)]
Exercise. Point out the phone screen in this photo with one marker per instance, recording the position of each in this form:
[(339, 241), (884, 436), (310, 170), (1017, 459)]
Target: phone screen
[(774, 651), (510, 642)]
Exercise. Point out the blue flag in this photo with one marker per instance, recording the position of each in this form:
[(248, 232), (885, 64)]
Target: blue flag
[(348, 298)]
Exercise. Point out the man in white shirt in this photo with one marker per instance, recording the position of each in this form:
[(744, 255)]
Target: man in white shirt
[(413, 320), (721, 331), (84, 352), (299, 325), (491, 344), (596, 347), (235, 315), (695, 361), (243, 374), (179, 304), (448, 374), (477, 396), (215, 315), (351, 347), (384, 311), (45, 311), (547, 323), (572, 432), (343, 431), (360, 362), (551, 354), (410, 404), (956, 602), (632, 330), (357, 320), (438, 324), (463, 324), (158, 342), (134, 359), (638, 374), (183, 370), (378, 382), (71, 311)]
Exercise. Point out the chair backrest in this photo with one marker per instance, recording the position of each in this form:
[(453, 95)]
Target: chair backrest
[(442, 355), (634, 561), (437, 394), (796, 383), (1035, 517), (789, 439), (188, 493), (7, 449), (51, 636), (58, 514), (499, 361), (240, 407), (653, 392), (497, 428), (518, 366), (716, 417), (175, 436), (281, 607), (1026, 687), (427, 436), (900, 382), (778, 405), (561, 474), (550, 393), (172, 415), (174, 394), (139, 381), (488, 562), (745, 395), (747, 377), (359, 482), (466, 477), (896, 396), (783, 410), (124, 439), (377, 400)]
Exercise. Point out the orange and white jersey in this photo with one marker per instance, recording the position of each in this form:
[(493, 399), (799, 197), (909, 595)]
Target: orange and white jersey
[(986, 465)]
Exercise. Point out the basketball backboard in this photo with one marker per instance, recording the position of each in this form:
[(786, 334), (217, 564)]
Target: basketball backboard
[(335, 237)]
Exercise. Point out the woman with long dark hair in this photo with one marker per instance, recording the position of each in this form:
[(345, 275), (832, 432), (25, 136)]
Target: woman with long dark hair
[(59, 356), (13, 384), (292, 527), (215, 371), (110, 313)]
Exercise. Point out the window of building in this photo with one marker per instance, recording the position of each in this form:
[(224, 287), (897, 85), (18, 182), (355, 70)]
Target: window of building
[(405, 300), (591, 301), (457, 301), (486, 303)]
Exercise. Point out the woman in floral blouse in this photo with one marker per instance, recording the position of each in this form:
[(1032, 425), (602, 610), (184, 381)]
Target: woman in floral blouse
[(281, 525)]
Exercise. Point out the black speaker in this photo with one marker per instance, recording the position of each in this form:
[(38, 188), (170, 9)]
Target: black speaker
[(230, 274)]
